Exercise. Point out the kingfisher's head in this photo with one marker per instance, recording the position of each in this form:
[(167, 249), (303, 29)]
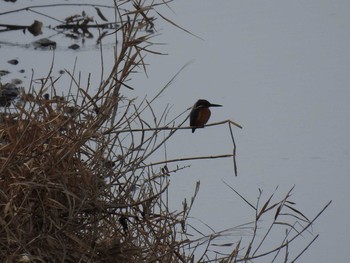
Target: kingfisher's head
[(204, 104)]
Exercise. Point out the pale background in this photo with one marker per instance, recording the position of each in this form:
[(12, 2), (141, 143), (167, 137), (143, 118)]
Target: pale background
[(281, 70)]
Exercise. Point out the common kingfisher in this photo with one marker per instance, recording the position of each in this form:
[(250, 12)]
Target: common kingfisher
[(200, 113)]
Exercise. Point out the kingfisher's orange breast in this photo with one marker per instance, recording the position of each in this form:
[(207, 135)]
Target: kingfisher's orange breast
[(203, 117)]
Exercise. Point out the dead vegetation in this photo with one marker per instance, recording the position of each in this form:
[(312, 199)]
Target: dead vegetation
[(76, 183)]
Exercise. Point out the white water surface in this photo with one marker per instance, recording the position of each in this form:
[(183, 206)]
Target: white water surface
[(281, 70)]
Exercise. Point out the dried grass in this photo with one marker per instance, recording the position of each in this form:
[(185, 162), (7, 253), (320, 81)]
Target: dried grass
[(76, 180)]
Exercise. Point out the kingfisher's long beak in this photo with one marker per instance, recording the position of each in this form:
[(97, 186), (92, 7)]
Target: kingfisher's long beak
[(215, 105)]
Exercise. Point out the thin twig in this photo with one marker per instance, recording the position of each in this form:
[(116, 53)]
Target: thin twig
[(188, 159)]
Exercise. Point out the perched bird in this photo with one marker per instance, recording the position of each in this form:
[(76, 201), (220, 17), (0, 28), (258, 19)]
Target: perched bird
[(200, 113)]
